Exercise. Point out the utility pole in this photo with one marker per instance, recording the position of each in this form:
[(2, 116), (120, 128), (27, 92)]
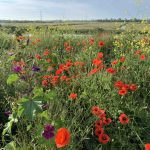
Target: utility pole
[(41, 17)]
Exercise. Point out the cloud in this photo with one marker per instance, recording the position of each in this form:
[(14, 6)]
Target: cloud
[(31, 9), (72, 9)]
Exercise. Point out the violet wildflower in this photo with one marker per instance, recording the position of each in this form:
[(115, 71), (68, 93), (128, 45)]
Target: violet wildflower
[(35, 68), (11, 53), (48, 132), (17, 69), (23, 78), (7, 113), (45, 106)]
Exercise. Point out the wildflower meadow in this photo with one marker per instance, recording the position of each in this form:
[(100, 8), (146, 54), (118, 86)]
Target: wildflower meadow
[(88, 92), (74, 75)]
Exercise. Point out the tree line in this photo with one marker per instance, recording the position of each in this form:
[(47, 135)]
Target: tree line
[(61, 21)]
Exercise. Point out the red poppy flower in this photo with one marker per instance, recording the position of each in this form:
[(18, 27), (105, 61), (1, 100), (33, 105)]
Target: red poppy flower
[(100, 55), (91, 41), (95, 110), (44, 83), (37, 56), (69, 63), (79, 63), (68, 79), (133, 87), (55, 77), (61, 66), (33, 43), (54, 80), (119, 84), (95, 70), (59, 71), (126, 86), (99, 131), (66, 44), (123, 119), (22, 63), (62, 137), (142, 57), (147, 146), (46, 53), (98, 123), (114, 62), (73, 96), (48, 60), (97, 62), (38, 40), (68, 48), (50, 68), (111, 70), (137, 52), (66, 68), (101, 43), (45, 77), (122, 59), (107, 121), (63, 78), (101, 114), (123, 91), (104, 138)]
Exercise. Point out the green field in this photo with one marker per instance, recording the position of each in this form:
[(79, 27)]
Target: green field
[(77, 85), (108, 26)]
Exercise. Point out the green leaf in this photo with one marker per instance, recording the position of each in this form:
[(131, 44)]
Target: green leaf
[(29, 127), (11, 58), (50, 95), (20, 111), (38, 91), (39, 98), (29, 108), (8, 127), (10, 146), (12, 78), (23, 100), (55, 58), (44, 114)]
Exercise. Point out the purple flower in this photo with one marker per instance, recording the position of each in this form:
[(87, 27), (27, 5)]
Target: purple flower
[(45, 106), (11, 53), (7, 113), (17, 69), (23, 78), (48, 132), (35, 68)]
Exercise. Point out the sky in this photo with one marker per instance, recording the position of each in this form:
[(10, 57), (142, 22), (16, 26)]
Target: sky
[(73, 9)]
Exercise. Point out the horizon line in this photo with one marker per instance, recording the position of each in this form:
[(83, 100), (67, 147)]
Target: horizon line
[(98, 19)]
